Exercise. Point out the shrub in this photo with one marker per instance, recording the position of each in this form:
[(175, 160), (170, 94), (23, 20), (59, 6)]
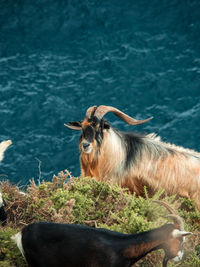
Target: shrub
[(99, 204)]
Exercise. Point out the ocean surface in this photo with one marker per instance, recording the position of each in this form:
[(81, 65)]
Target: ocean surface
[(57, 58)]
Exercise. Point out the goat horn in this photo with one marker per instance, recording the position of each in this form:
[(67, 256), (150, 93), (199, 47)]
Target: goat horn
[(177, 219), (102, 110), (90, 111)]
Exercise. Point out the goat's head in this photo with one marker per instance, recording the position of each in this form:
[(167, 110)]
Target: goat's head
[(93, 126), (174, 246)]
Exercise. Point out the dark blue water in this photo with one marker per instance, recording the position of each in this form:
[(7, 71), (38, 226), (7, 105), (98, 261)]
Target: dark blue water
[(57, 58)]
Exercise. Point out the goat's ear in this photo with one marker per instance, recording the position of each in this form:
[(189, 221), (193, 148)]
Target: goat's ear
[(186, 233), (74, 125), (177, 233)]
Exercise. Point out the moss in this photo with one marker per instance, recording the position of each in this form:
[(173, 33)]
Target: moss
[(9, 253), (86, 201)]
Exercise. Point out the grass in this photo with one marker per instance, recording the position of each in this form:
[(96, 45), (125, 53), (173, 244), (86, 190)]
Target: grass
[(86, 201)]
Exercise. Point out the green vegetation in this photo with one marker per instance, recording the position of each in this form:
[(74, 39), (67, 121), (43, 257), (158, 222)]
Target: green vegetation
[(86, 201)]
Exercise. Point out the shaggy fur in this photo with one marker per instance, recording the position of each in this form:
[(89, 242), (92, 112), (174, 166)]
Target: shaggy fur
[(3, 146), (135, 160)]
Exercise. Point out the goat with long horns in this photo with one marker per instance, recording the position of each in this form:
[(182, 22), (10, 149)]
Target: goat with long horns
[(134, 160)]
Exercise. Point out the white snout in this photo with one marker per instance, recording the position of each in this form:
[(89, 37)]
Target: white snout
[(86, 147)]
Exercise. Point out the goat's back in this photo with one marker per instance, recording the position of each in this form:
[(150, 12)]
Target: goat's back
[(58, 245)]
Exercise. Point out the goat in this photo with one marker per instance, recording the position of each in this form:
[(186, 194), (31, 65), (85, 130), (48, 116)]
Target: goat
[(3, 216), (3, 146), (135, 160), (46, 244)]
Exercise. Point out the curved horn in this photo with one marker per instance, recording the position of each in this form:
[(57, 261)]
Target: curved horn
[(102, 110), (90, 111), (177, 219)]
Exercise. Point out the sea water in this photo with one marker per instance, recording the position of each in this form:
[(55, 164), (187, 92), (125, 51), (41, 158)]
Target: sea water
[(57, 58)]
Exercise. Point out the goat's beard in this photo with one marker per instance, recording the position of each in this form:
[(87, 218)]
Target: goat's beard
[(179, 256)]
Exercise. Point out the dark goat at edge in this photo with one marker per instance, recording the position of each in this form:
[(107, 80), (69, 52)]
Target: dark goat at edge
[(3, 215), (135, 160), (46, 244)]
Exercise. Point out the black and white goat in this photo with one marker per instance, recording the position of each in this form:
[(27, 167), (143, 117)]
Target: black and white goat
[(134, 160), (46, 244), (3, 216)]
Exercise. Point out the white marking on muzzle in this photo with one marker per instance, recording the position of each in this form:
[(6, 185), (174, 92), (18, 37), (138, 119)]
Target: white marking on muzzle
[(87, 149)]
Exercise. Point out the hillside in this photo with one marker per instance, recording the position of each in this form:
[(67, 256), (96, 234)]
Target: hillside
[(86, 201)]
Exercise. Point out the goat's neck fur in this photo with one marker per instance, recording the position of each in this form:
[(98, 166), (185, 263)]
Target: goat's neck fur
[(89, 164), (147, 242), (110, 155)]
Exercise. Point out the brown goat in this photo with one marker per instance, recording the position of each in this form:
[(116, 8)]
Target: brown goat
[(134, 160)]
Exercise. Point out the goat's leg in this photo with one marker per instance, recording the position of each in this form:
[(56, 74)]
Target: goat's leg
[(165, 260)]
